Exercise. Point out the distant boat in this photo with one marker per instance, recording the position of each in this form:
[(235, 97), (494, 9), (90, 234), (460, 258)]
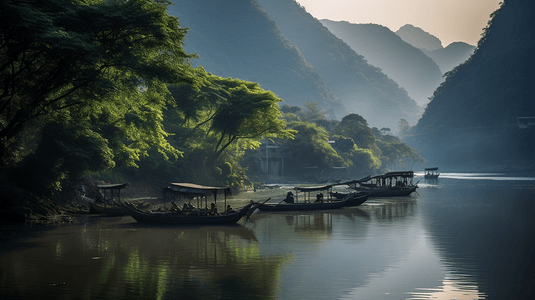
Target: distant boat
[(431, 173)]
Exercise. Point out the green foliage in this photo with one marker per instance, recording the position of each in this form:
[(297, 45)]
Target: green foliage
[(311, 146), (224, 116), (355, 126), (98, 62), (67, 151)]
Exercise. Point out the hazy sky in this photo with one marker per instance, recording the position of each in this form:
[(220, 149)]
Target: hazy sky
[(449, 20)]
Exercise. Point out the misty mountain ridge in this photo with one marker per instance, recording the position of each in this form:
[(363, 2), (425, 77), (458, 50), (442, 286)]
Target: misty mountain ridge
[(238, 39), (451, 56), (446, 58), (419, 38), (472, 119), (405, 64), (364, 89)]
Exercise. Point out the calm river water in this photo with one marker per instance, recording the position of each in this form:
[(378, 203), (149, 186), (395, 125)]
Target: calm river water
[(465, 236)]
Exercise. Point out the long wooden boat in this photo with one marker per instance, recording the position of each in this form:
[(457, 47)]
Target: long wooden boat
[(391, 184), (108, 209), (191, 218), (353, 199), (113, 209)]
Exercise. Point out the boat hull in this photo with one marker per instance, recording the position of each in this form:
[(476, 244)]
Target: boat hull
[(183, 219), (389, 192), (105, 209), (354, 199)]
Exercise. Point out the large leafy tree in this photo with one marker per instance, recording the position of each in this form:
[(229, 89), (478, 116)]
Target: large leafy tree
[(103, 64), (224, 116)]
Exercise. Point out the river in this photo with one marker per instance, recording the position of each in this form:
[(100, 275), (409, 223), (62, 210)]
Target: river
[(464, 236)]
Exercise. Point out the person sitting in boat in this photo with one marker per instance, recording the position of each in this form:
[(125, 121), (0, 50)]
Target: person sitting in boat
[(289, 197), (319, 198), (174, 207), (230, 209), (213, 210)]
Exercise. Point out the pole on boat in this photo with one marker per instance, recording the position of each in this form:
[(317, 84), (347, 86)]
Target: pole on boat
[(249, 217)]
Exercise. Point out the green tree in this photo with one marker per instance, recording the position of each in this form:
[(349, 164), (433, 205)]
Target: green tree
[(225, 115), (101, 63), (311, 146), (356, 127)]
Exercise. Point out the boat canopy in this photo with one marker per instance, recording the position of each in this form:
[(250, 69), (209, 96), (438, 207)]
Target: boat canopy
[(306, 189), (367, 178), (191, 189), (404, 174), (113, 186), (431, 169)]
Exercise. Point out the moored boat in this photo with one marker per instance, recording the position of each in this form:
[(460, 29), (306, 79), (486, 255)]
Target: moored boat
[(200, 217), (391, 184), (190, 214), (108, 209), (115, 209), (321, 203)]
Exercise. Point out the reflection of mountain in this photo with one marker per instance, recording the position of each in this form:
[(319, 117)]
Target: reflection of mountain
[(485, 232), (405, 64)]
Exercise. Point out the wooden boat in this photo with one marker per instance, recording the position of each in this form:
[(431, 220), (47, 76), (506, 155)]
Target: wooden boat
[(108, 209), (431, 173), (391, 184), (114, 209), (193, 216), (352, 199), (200, 217)]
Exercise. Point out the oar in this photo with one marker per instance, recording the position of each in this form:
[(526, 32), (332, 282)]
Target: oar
[(276, 205), (247, 215)]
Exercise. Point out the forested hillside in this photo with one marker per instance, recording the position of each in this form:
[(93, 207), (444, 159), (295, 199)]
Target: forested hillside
[(363, 88), (238, 39), (472, 118), (405, 64)]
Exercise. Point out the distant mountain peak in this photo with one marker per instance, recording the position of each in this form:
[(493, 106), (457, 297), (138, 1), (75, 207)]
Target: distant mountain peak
[(419, 38)]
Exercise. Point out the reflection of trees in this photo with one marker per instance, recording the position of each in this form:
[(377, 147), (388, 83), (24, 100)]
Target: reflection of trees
[(149, 263)]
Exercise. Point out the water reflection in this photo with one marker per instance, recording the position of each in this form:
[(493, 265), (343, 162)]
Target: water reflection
[(456, 239), (118, 260)]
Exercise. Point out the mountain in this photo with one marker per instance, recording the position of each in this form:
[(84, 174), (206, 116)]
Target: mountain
[(405, 64), (451, 56), (419, 38), (238, 39), (364, 89), (473, 118), (446, 58)]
